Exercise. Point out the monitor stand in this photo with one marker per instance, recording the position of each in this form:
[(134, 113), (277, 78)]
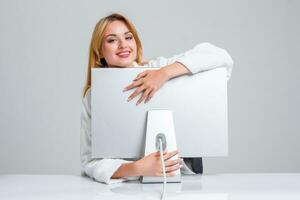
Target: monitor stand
[(160, 122)]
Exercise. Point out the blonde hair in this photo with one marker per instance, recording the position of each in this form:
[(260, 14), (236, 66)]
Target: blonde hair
[(95, 60)]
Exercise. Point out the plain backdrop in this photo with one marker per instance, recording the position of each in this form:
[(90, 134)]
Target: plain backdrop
[(43, 63)]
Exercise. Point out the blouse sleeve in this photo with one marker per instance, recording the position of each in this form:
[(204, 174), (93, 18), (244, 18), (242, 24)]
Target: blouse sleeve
[(100, 170), (202, 57)]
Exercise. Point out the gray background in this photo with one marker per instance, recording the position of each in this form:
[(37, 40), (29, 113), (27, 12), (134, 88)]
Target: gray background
[(44, 56)]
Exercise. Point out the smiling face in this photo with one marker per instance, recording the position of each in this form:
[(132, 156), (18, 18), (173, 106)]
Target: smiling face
[(119, 47)]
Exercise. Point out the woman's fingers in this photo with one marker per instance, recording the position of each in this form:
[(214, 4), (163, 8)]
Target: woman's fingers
[(144, 96), (133, 85), (171, 165), (147, 94), (164, 153), (171, 172), (172, 162), (172, 168), (170, 155), (149, 79), (141, 75), (150, 96), (136, 92)]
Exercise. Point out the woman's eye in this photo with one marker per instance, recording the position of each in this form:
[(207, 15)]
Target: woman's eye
[(111, 40), (129, 38)]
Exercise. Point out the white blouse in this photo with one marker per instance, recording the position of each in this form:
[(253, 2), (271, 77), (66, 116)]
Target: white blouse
[(202, 57)]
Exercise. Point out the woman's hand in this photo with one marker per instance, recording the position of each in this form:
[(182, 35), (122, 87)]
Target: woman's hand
[(150, 165), (147, 83)]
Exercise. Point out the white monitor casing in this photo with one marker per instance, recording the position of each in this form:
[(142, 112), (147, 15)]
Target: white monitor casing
[(198, 103)]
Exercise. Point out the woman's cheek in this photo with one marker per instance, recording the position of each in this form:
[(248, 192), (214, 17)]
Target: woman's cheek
[(134, 56)]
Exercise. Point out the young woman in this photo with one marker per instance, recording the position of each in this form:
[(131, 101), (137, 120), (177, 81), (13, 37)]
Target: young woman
[(115, 43)]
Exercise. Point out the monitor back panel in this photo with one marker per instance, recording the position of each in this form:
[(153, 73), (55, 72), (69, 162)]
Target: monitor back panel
[(198, 102)]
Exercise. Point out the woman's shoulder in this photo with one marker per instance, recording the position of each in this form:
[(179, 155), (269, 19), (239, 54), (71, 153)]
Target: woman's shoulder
[(144, 63), (152, 63), (163, 61)]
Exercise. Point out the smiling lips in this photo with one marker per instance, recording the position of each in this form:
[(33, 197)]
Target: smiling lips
[(123, 54)]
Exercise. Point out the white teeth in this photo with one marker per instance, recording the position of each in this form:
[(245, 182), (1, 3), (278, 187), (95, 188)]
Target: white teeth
[(123, 53)]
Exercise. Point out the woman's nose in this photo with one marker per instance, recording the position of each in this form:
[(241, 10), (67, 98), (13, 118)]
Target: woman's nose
[(123, 44)]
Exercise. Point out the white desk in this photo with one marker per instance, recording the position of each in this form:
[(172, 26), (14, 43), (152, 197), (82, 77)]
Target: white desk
[(211, 187)]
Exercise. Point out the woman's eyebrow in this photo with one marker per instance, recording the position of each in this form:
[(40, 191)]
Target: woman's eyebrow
[(116, 34)]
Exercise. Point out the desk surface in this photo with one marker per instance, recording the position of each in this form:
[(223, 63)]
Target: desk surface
[(212, 187)]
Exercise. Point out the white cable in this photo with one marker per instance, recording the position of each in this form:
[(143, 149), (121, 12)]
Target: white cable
[(163, 169)]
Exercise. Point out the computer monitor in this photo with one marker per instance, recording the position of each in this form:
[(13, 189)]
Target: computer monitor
[(198, 103)]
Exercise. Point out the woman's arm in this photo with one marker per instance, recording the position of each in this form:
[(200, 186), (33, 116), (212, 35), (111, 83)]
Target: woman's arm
[(202, 57), (126, 170), (150, 165), (174, 70)]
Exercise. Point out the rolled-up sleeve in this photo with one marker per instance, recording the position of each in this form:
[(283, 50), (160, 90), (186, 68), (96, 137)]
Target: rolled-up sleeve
[(202, 57)]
